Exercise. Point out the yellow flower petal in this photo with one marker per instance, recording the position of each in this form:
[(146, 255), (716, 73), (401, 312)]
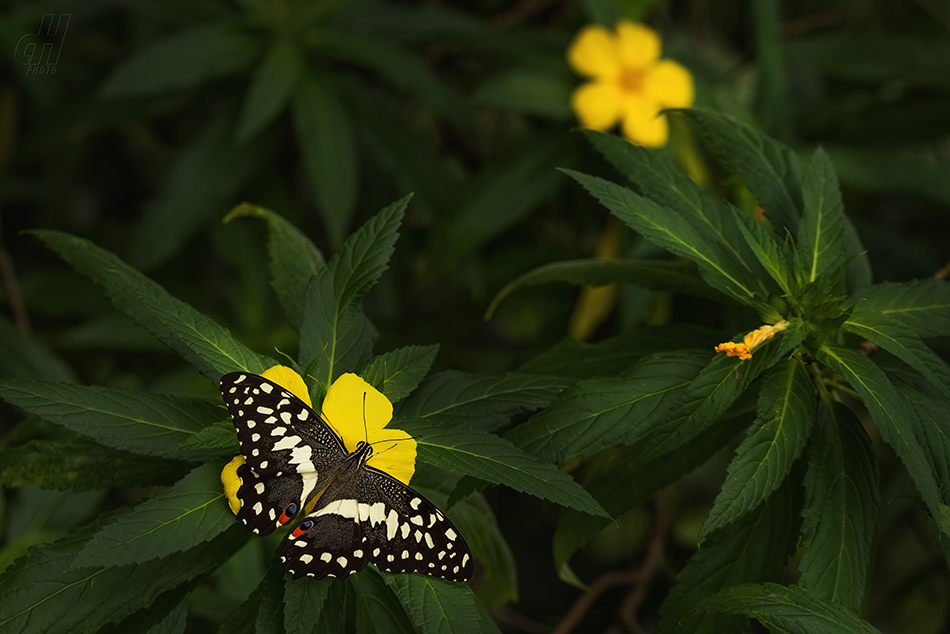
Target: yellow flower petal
[(593, 52), (641, 124), (290, 381), (231, 482), (638, 46), (358, 411), (597, 105), (669, 84)]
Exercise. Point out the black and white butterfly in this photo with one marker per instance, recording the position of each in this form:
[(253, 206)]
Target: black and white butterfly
[(362, 514)]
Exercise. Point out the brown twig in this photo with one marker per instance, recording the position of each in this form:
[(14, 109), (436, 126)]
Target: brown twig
[(520, 621), (651, 562), (639, 578), (944, 272)]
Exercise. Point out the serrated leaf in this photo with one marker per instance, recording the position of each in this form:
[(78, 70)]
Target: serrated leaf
[(754, 549), (796, 333), (292, 258), (334, 329), (303, 603), (81, 465), (378, 610), (659, 275), (189, 513), (655, 176), (666, 228), (892, 414), (473, 452), (198, 339), (933, 413), (485, 402), (786, 609), (820, 244), (921, 305), (398, 372), (773, 444), (572, 358), (771, 169), (130, 420), (39, 593), (270, 89), (902, 342), (184, 60), (840, 512), (770, 254), (717, 387), (437, 606), (329, 149), (215, 440), (625, 479), (600, 413), (174, 623)]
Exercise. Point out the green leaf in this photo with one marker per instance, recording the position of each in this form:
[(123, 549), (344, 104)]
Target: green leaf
[(573, 358), (902, 342), (773, 444), (921, 305), (890, 412), (263, 612), (195, 337), (189, 513), (436, 606), (398, 372), (656, 177), (333, 326), (303, 603), (184, 61), (26, 358), (39, 593), (292, 258), (270, 90), (668, 229), (486, 402), (531, 89), (329, 150), (717, 386), (81, 465), (771, 169), (754, 549), (659, 275), (378, 610), (493, 459), (769, 252), (624, 479), (599, 413), (785, 609), (130, 420), (201, 182), (498, 198), (841, 508), (216, 440), (820, 244), (174, 623)]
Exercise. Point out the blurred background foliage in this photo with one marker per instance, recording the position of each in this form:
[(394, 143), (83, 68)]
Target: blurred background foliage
[(161, 116)]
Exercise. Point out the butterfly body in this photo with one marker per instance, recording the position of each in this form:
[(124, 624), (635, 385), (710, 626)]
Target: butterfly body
[(361, 514)]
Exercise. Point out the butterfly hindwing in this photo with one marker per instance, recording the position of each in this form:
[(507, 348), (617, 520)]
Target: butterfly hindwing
[(378, 519), (287, 449)]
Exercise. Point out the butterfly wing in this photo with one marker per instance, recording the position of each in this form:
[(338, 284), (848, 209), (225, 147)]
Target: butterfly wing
[(288, 450), (376, 518)]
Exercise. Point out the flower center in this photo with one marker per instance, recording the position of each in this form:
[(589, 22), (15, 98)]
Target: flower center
[(630, 80)]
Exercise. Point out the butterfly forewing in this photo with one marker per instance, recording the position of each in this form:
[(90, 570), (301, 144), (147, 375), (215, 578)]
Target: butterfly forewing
[(286, 448)]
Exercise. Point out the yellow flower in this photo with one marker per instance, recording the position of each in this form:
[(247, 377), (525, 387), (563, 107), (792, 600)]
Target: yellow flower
[(751, 341), (629, 82), (356, 411)]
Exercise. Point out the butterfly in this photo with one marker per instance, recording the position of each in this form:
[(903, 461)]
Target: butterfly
[(362, 514)]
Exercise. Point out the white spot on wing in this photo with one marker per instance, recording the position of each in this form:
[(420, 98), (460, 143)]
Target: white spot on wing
[(451, 534), (306, 558), (326, 557)]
